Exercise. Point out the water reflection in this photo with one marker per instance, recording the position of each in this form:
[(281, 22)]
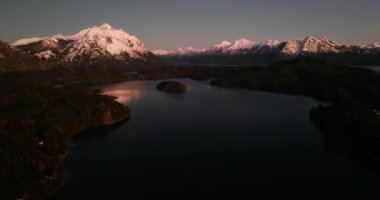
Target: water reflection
[(124, 94)]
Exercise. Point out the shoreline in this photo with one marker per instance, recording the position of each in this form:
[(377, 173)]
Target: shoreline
[(62, 183), (44, 134)]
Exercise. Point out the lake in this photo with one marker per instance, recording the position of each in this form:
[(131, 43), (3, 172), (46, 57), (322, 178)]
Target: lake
[(211, 143), (374, 68)]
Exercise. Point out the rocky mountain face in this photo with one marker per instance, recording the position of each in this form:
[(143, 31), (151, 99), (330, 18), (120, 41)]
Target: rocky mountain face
[(245, 52), (95, 45), (12, 59)]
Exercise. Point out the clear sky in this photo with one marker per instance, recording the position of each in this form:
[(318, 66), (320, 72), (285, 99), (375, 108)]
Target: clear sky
[(169, 24)]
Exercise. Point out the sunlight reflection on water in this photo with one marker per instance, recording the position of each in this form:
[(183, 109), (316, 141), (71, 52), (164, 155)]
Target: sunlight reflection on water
[(124, 94)]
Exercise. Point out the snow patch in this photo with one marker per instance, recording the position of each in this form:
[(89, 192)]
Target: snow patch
[(372, 46), (45, 54), (27, 41), (161, 52), (222, 45), (242, 44), (179, 52)]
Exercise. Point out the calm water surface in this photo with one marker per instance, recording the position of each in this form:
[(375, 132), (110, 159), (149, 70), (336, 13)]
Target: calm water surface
[(211, 143), (375, 68)]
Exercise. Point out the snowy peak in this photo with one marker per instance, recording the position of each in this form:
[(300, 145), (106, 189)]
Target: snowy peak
[(106, 41), (270, 43), (179, 52), (188, 51), (241, 44), (105, 26), (27, 41), (265, 47), (323, 45), (372, 46), (161, 52), (227, 47), (222, 45), (311, 45), (89, 44), (113, 40)]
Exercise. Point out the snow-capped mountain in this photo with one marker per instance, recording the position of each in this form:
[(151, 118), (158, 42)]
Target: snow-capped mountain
[(179, 52), (265, 47), (226, 47), (372, 46), (91, 45), (12, 59), (312, 45), (308, 45), (244, 51)]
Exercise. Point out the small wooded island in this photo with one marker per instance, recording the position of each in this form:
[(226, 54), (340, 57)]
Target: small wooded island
[(172, 86)]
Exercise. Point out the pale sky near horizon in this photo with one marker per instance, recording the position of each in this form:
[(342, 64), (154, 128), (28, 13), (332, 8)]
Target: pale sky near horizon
[(170, 24)]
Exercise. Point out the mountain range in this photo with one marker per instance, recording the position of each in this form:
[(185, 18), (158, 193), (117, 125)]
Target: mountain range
[(95, 45), (107, 46), (246, 52)]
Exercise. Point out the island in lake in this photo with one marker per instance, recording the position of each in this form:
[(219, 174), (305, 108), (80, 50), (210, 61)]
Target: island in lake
[(171, 86)]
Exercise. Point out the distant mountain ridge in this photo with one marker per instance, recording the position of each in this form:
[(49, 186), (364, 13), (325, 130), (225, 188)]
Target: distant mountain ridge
[(98, 44), (106, 46), (245, 52), (12, 59)]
